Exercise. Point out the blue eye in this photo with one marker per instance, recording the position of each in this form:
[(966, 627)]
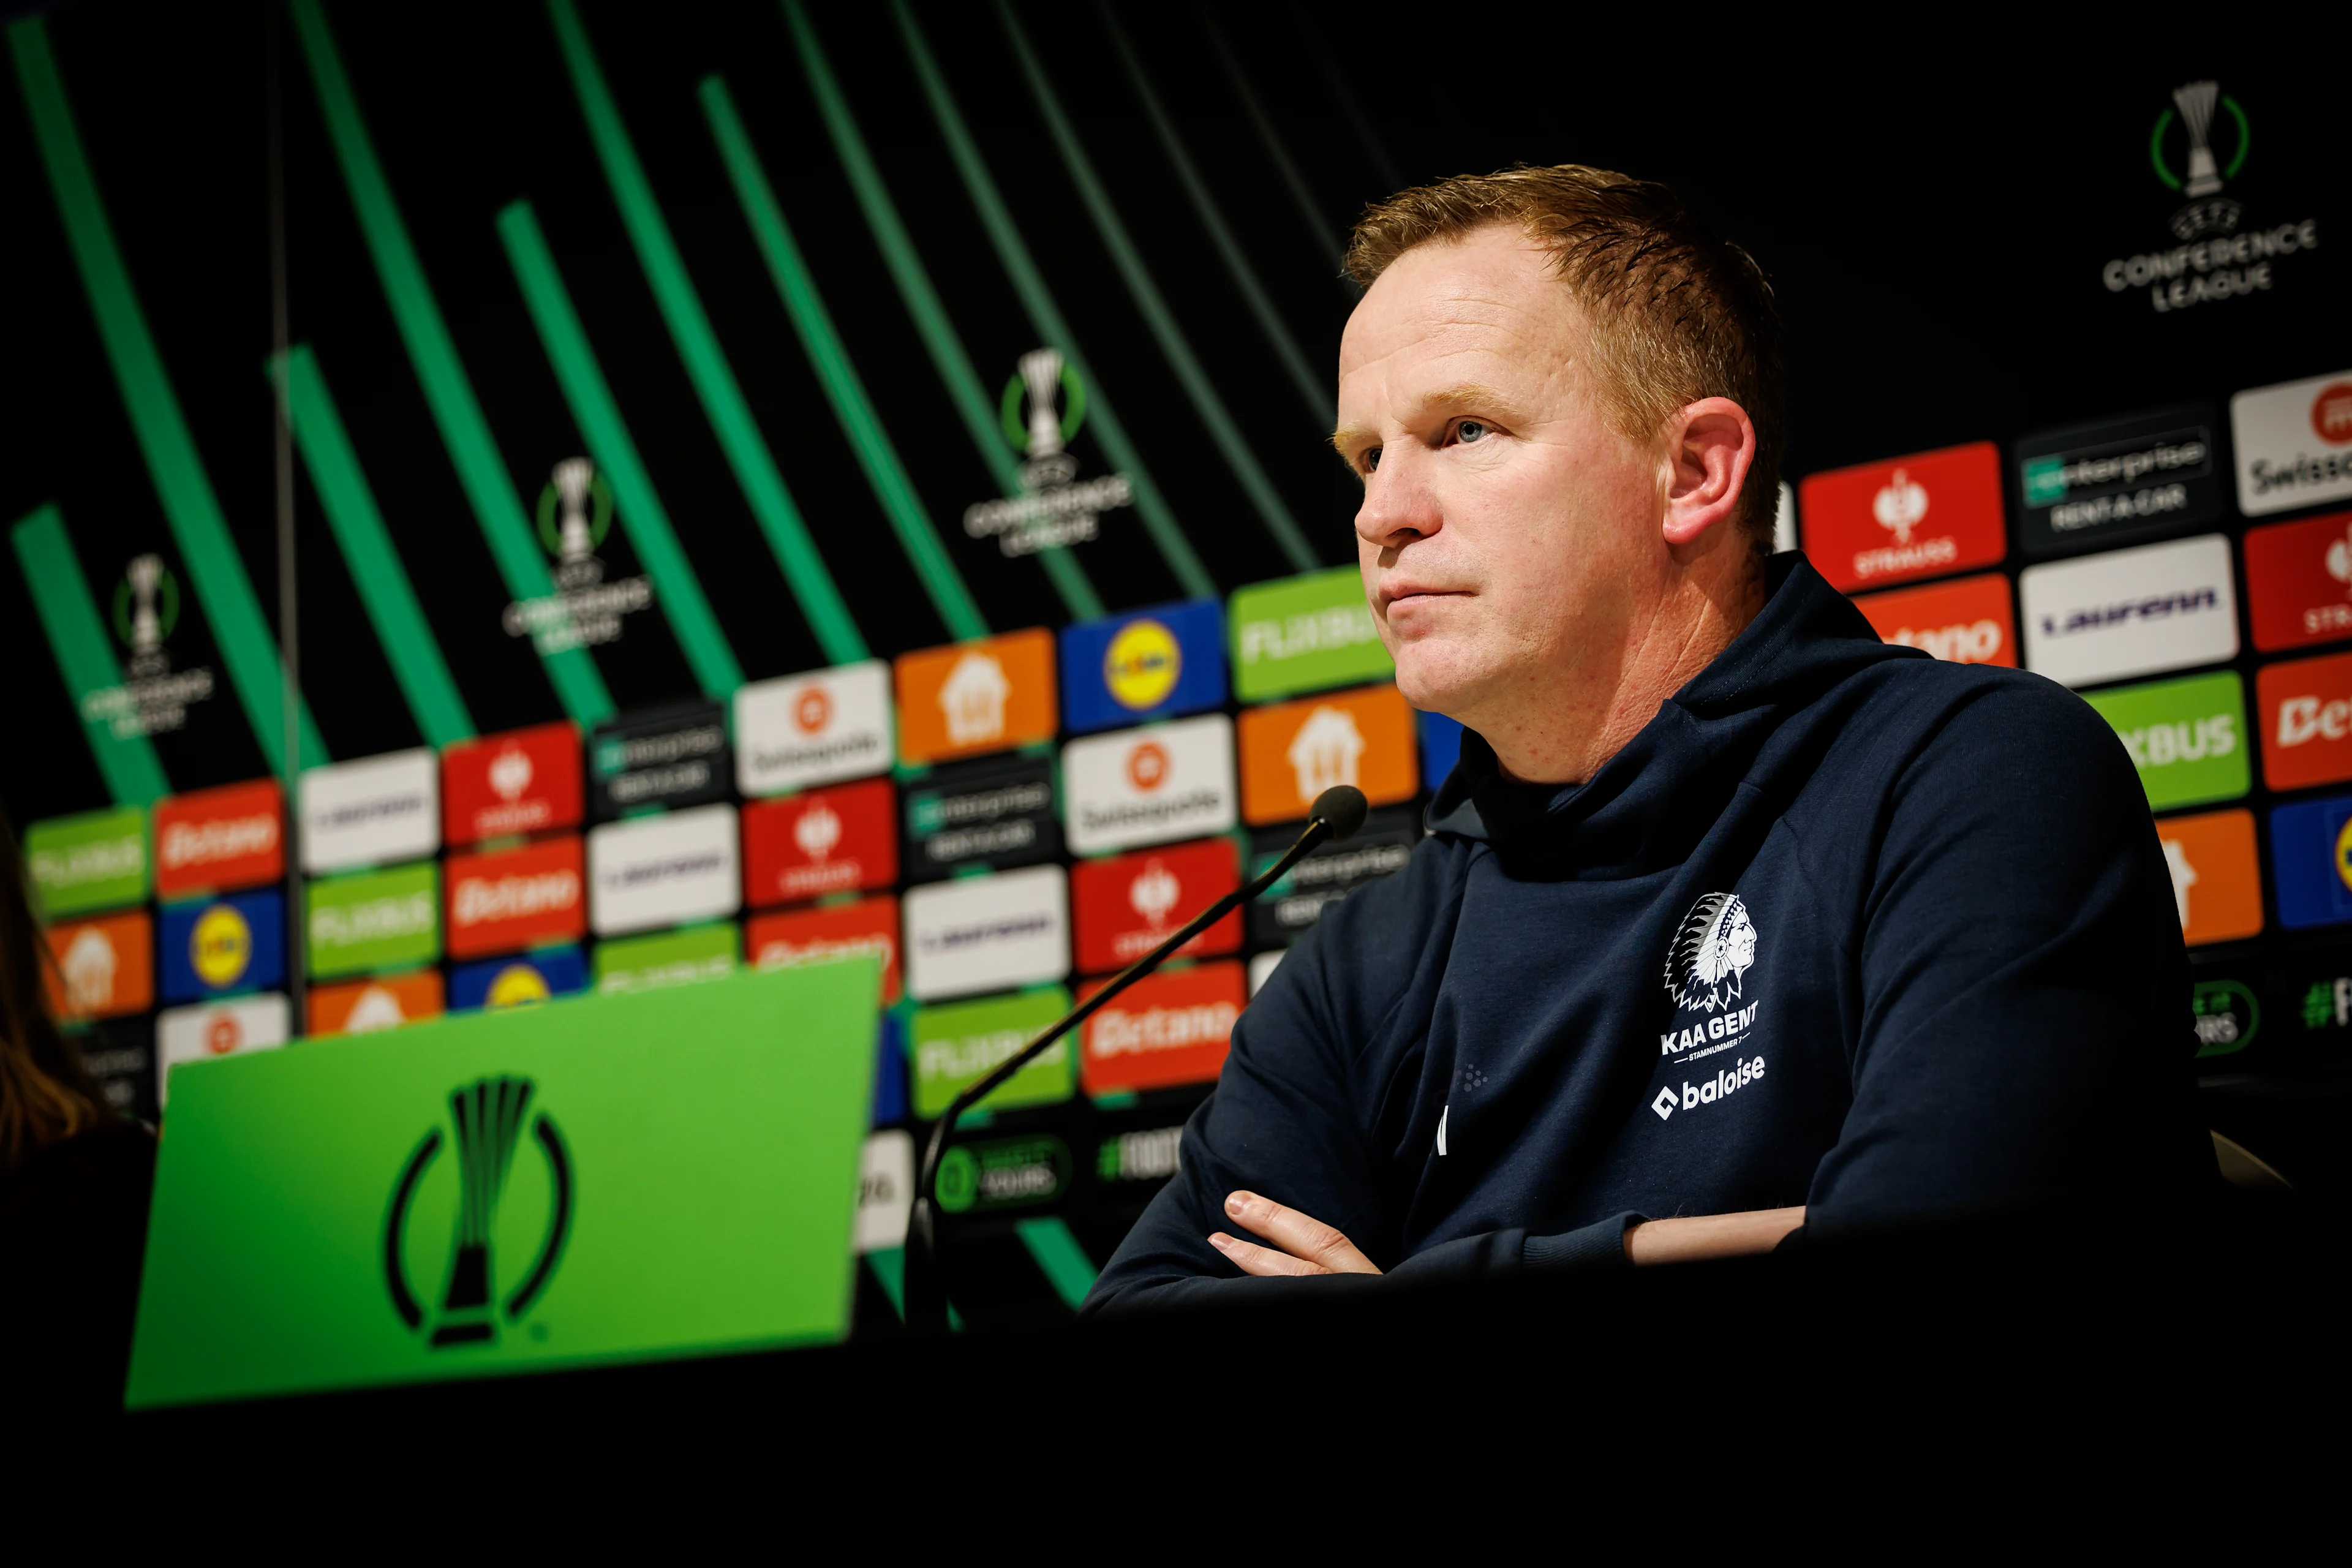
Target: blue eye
[(1471, 430)]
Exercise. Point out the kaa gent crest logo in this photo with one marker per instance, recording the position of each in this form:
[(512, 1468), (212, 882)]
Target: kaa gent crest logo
[(488, 1117), (1712, 951)]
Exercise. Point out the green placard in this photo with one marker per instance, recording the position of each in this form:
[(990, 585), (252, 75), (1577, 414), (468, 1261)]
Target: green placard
[(1304, 634), (957, 1044), (602, 1178), (97, 860), (667, 958), (2188, 738), (375, 920)]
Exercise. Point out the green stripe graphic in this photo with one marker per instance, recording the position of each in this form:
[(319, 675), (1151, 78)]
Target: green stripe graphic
[(922, 301), (1065, 1264), (77, 634), (489, 488), (1206, 403), (843, 388), (1316, 390), (1326, 242), (181, 483), (706, 364), (1046, 317), (375, 566), (599, 419)]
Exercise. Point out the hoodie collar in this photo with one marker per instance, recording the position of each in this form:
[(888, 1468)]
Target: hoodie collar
[(1650, 805)]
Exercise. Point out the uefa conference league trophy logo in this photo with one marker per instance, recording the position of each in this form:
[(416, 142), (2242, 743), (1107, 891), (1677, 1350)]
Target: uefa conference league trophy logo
[(2196, 102), (152, 698), (487, 1116), (575, 513), (1052, 510)]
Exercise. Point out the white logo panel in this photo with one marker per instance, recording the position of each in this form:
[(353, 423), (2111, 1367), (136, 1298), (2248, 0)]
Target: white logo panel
[(2294, 443), (885, 1190), (987, 933), (664, 870), (818, 728), (372, 812), (213, 1030), (1150, 787), (2131, 612)]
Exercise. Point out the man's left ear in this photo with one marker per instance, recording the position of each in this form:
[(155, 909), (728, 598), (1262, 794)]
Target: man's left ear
[(1709, 445)]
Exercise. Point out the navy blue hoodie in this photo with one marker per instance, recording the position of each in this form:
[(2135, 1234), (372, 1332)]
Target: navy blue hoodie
[(1843, 926)]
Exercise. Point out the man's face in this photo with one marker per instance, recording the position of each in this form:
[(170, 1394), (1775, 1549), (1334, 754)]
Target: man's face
[(1509, 535)]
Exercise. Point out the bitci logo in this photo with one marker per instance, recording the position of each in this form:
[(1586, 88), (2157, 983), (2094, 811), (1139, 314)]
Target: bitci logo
[(1147, 766)]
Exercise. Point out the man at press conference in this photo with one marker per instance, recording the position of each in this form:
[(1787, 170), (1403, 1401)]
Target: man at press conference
[(1734, 925)]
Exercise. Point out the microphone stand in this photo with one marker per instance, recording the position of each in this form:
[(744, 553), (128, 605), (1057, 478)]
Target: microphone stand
[(1338, 813)]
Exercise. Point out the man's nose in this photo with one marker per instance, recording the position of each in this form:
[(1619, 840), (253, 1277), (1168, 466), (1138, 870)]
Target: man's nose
[(1399, 505)]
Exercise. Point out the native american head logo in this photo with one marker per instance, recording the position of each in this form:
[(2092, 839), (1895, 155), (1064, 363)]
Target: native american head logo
[(1713, 950)]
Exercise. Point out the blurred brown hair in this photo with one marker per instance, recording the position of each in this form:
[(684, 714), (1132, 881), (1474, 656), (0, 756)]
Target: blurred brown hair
[(45, 1094), (1676, 313)]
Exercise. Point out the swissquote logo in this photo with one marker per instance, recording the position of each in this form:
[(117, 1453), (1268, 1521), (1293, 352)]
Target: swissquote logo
[(1054, 509), (2197, 147), (575, 513), (1707, 972), (152, 698), (2294, 443), (822, 727), (487, 1122)]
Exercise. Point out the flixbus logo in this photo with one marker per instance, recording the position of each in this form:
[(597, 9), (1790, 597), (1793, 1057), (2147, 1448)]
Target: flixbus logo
[(488, 1117)]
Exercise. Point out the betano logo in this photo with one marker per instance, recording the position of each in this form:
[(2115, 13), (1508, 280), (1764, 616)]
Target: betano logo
[(487, 1117)]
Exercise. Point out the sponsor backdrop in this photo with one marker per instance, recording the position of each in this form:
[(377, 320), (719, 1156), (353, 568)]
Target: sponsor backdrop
[(777, 483)]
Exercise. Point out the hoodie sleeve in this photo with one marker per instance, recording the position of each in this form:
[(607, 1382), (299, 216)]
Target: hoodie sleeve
[(2015, 1052), (1293, 1113)]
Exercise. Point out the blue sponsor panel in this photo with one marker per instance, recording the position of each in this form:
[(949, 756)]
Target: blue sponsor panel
[(1440, 748), (2311, 852), (890, 1071), (219, 947), (1151, 663), (518, 981)]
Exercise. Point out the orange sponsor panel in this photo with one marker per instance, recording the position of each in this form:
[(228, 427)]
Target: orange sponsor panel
[(2216, 886), (107, 967), (988, 695), (1293, 751), (1173, 1028), (1967, 621), (363, 1006)]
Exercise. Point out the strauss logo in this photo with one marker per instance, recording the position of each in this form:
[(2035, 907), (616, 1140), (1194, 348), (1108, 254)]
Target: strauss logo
[(1899, 505), (1154, 892), (511, 772), (817, 831)]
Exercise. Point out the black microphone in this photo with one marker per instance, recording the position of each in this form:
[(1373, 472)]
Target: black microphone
[(1338, 813)]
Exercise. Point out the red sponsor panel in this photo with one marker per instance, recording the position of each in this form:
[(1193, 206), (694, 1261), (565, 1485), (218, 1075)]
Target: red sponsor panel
[(1920, 516), (2299, 582), (1170, 1028), (219, 840), (1967, 621), (1126, 906), (515, 899), (2306, 718), (523, 781), (821, 936), (841, 840)]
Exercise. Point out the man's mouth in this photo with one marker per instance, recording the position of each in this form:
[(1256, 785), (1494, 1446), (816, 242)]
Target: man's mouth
[(1406, 595)]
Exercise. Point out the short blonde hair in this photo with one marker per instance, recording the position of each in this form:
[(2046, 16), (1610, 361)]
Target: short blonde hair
[(1676, 313)]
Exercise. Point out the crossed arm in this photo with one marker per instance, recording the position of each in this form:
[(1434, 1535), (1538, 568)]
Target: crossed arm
[(1305, 1245)]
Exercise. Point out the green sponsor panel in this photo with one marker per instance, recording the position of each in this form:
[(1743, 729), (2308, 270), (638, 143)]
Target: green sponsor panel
[(600, 1179), (668, 958), (2228, 1016), (957, 1044), (1304, 634), (2188, 738), (97, 860), (375, 920)]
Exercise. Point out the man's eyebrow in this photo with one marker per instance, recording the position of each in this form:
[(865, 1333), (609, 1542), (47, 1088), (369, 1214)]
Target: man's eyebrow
[(1462, 395)]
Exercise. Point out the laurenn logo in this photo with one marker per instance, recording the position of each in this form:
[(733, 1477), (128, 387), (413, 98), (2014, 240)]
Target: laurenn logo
[(487, 1117)]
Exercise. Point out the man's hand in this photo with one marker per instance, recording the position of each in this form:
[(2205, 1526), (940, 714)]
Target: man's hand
[(1307, 1245), (1694, 1237)]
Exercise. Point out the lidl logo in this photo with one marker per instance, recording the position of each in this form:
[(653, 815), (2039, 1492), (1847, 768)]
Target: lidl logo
[(518, 981), (2310, 862), (1155, 664), (2186, 737), (477, 1299), (235, 944), (1142, 665), (517, 985), (215, 840)]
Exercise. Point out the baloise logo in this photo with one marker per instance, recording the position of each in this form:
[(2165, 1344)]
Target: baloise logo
[(488, 1117), (1707, 971)]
